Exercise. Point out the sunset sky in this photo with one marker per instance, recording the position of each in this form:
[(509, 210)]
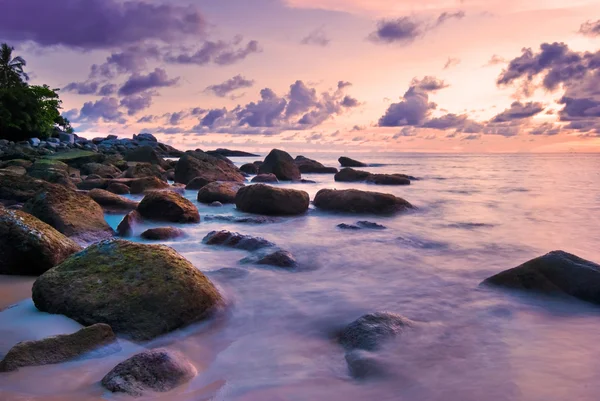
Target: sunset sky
[(319, 75)]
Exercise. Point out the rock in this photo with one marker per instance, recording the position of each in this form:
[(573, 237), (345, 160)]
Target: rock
[(168, 206), (242, 220), (556, 273), (355, 201), (112, 202), (143, 185), (309, 166), (93, 341), (29, 246), (154, 370), (141, 291), (370, 331), (14, 170), (145, 137), (67, 138), (365, 365), (197, 183), (219, 191), (267, 178), (236, 240), (278, 258), (351, 175), (216, 204), (345, 226), (231, 153), (71, 213), (210, 168), (77, 158), (268, 200), (16, 162), (127, 226), (53, 140), (101, 170), (34, 142), (118, 188), (281, 164), (145, 154), (112, 137), (249, 168), (348, 162), (388, 179), (93, 183), (51, 171), (162, 233), (20, 188), (141, 170), (371, 225)]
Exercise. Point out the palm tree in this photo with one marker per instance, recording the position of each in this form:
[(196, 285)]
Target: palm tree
[(11, 69)]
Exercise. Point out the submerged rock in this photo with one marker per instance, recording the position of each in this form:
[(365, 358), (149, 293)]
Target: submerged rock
[(141, 291), (127, 226), (277, 258), (362, 225), (365, 365), (155, 370), (309, 166), (28, 246), (266, 178), (162, 233), (268, 200), (242, 219), (556, 273), (351, 175), (168, 206), (281, 164), (93, 341), (348, 162), (236, 240), (345, 226), (356, 201), (219, 191), (216, 204), (370, 331), (112, 202)]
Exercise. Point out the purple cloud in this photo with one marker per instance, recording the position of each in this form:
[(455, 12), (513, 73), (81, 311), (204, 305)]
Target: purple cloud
[(82, 88), (404, 30), (108, 90), (106, 109), (452, 62), (590, 28), (231, 85), (139, 83), (95, 24), (318, 37), (137, 102), (219, 52), (519, 111)]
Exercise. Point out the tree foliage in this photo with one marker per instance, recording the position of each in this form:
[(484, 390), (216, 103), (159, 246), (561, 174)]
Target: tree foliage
[(26, 111)]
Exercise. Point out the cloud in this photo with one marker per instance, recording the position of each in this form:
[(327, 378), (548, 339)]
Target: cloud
[(131, 59), (105, 109), (404, 30), (219, 52), (97, 24), (108, 90), (452, 62), (519, 111), (590, 28), (139, 83), (82, 88), (547, 129), (232, 84), (137, 102), (495, 60), (318, 37)]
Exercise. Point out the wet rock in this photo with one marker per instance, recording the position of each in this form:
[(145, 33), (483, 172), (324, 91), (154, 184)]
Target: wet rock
[(355, 201), (351, 175), (370, 331), (29, 246), (20, 188), (216, 204), (236, 240), (100, 170), (230, 273), (71, 213), (388, 179), (155, 370), (556, 273), (266, 178), (268, 200), (210, 168), (128, 226), (242, 219), (162, 233), (118, 188), (231, 153), (145, 154), (365, 365), (348, 162), (141, 291), (371, 225), (219, 191), (197, 183), (93, 341), (143, 185), (309, 166), (281, 164), (93, 183), (277, 258), (168, 206), (249, 168), (345, 226), (112, 202), (141, 170)]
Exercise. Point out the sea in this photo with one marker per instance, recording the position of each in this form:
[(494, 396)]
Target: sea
[(475, 215)]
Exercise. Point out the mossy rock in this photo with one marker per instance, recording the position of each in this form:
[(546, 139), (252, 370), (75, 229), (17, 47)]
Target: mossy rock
[(140, 170), (142, 185), (111, 202), (168, 206), (53, 171), (20, 188), (16, 162), (30, 247), (77, 158), (100, 169), (72, 213), (141, 291)]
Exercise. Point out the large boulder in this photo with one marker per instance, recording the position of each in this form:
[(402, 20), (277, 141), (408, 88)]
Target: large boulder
[(141, 291), (168, 206), (52, 171), (20, 188), (281, 164), (146, 184), (556, 273), (99, 169), (72, 213), (29, 246), (145, 154), (271, 201), (266, 178), (140, 170), (219, 191), (77, 158), (155, 370), (112, 202), (389, 179), (355, 201), (249, 168), (348, 162), (210, 168), (93, 341), (350, 175), (370, 331), (310, 166), (162, 233)]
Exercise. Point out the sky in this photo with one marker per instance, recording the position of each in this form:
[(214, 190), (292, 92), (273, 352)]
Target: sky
[(321, 75)]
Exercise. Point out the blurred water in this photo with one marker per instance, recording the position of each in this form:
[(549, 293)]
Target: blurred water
[(477, 215)]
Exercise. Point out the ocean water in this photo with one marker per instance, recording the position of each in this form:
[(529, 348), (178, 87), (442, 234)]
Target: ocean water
[(476, 215)]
